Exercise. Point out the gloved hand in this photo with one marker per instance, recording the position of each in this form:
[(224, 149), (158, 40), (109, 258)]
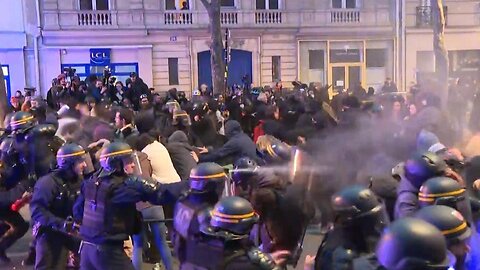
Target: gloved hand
[(30, 180), (144, 183), (69, 226)]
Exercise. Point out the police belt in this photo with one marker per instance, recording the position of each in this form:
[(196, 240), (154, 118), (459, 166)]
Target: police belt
[(157, 220), (101, 247), (71, 242)]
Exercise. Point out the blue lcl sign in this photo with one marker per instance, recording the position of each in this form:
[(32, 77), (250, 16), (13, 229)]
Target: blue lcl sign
[(100, 57)]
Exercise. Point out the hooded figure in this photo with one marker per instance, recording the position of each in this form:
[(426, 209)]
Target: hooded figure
[(179, 151), (238, 145)]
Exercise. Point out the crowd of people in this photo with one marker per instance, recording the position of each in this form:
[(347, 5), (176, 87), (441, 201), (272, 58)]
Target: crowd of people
[(234, 180)]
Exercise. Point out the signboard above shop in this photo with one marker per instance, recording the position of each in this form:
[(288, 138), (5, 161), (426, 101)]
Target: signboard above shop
[(345, 56), (100, 57)]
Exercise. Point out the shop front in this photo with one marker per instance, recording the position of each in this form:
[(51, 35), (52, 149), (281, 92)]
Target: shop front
[(343, 65)]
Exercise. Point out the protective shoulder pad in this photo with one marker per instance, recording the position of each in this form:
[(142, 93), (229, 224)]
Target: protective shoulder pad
[(41, 130), (261, 259)]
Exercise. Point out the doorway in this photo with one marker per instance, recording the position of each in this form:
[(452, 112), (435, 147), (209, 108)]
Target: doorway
[(239, 66), (345, 76)]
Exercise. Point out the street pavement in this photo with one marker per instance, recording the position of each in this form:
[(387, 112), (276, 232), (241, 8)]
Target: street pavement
[(19, 251)]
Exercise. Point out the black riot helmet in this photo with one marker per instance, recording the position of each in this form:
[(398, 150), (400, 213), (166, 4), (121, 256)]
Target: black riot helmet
[(7, 148), (115, 155), (199, 108), (445, 191), (423, 167), (441, 191), (244, 169), (355, 202), (207, 177), (231, 219), (448, 220), (358, 209), (272, 150), (181, 117), (21, 121), (412, 244), (69, 154)]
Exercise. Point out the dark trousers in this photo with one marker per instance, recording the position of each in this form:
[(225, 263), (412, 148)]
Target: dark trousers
[(51, 253), (18, 227), (104, 257)]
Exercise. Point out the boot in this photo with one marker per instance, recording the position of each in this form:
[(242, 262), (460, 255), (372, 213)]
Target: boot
[(30, 259)]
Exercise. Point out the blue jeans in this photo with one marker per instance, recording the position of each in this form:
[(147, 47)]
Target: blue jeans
[(159, 231)]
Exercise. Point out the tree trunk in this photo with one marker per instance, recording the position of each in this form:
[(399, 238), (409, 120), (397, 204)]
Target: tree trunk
[(441, 53), (3, 99), (216, 46)]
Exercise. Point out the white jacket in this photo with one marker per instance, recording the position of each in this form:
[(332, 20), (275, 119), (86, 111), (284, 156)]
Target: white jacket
[(162, 166)]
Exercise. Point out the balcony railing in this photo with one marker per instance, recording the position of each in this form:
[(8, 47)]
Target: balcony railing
[(178, 17), (229, 17), (94, 18), (425, 16), (197, 19), (345, 16), (268, 17)]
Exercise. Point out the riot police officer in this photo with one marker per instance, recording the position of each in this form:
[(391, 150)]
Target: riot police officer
[(106, 207), (32, 152), (445, 191), (11, 190), (243, 176), (192, 211), (51, 207), (453, 226), (412, 244), (224, 245), (360, 218), (272, 150), (417, 170)]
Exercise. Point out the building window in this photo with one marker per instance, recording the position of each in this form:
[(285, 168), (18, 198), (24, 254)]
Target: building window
[(376, 58), (268, 4), (177, 5), (316, 59), (345, 4), (94, 5), (173, 71), (276, 68), (121, 71), (227, 3), (6, 80)]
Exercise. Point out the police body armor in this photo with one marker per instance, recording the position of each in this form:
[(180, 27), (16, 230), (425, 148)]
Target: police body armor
[(188, 218), (215, 254), (102, 218), (63, 204), (11, 169)]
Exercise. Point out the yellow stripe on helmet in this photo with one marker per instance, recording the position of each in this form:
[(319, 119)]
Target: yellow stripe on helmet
[(456, 229), (221, 215), (21, 121), (127, 151), (208, 176), (72, 154), (446, 194)]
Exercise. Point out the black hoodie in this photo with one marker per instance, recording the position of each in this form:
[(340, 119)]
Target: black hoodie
[(179, 151)]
